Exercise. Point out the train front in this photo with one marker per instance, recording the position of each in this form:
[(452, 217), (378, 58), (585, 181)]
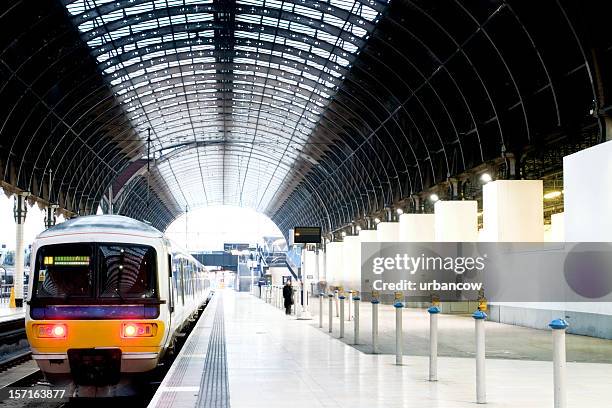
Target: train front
[(94, 315)]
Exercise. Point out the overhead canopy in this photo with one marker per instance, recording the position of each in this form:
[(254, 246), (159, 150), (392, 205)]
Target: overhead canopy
[(314, 112), (230, 90)]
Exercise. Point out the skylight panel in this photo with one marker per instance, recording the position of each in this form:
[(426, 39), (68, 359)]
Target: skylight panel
[(192, 18), (344, 4), (308, 12), (139, 8), (301, 28)]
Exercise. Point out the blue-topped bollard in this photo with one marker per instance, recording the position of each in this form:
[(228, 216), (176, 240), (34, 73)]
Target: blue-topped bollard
[(356, 302), (433, 342), (481, 393), (399, 352), (558, 327), (341, 297), (330, 309), (375, 303), (321, 294), (336, 295)]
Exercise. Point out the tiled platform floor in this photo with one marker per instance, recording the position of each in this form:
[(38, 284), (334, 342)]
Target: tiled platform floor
[(277, 361)]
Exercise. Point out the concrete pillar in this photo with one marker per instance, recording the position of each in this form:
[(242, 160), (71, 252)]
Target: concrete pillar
[(368, 235), (19, 211), (387, 232), (587, 176), (557, 227), (456, 221), (351, 262), (334, 263), (513, 210), (416, 228)]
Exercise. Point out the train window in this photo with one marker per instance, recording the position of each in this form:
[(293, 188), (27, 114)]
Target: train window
[(127, 271), (64, 271)]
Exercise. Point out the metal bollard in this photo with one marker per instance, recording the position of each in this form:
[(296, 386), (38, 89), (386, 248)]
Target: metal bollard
[(330, 309), (375, 303), (433, 342), (356, 300), (481, 393), (295, 302), (399, 352), (558, 327), (349, 301), (320, 310), (342, 297), (336, 302)]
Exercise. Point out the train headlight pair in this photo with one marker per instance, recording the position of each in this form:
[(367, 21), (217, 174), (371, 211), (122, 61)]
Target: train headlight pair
[(51, 331), (130, 330)]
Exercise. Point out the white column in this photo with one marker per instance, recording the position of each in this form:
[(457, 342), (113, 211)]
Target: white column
[(513, 210), (417, 228), (587, 177), (387, 232), (351, 262), (456, 221), (334, 263), (368, 236), (20, 210)]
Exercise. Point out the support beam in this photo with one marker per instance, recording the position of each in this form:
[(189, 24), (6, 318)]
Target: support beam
[(19, 211)]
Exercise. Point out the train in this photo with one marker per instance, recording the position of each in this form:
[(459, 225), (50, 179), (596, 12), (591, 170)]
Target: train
[(108, 298)]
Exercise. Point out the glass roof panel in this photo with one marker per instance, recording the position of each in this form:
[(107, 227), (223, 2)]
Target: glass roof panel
[(230, 91)]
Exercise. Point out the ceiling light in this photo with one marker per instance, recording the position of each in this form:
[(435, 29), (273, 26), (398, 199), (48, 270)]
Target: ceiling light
[(485, 178), (551, 195), (434, 197), (399, 211), (377, 220)]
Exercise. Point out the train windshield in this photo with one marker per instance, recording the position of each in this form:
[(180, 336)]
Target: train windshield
[(86, 271)]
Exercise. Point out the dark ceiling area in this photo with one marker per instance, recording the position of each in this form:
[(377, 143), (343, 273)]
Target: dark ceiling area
[(312, 112)]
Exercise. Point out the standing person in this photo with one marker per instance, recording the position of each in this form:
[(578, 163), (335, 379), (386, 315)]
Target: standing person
[(288, 296)]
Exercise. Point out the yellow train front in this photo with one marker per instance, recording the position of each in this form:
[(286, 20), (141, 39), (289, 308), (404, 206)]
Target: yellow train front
[(108, 297)]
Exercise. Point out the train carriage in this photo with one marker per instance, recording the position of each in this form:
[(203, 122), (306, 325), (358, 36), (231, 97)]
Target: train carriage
[(108, 297)]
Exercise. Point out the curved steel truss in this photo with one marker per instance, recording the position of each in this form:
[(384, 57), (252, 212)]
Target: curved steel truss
[(248, 79), (314, 112)]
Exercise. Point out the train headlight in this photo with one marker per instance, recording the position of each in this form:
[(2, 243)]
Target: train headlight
[(138, 330), (51, 331)]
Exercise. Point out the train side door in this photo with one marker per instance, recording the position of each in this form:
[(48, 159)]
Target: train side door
[(171, 286)]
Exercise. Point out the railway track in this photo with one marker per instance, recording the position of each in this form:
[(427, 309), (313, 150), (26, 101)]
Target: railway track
[(33, 379), (12, 331)]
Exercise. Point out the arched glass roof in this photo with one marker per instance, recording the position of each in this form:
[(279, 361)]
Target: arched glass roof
[(230, 90)]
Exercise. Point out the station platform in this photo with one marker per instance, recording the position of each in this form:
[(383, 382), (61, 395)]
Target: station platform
[(11, 313), (247, 353)]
